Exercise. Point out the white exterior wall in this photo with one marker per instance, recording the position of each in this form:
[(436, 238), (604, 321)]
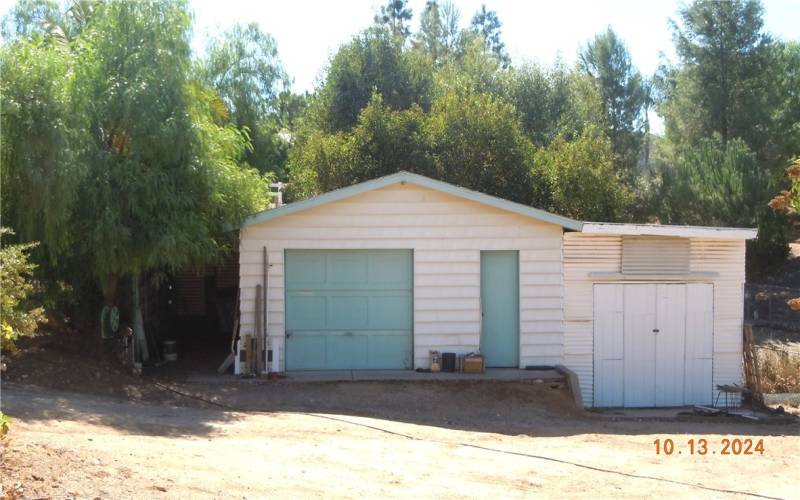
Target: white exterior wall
[(588, 253), (446, 234)]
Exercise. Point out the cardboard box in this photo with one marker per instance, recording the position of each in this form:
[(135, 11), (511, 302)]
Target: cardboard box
[(473, 364)]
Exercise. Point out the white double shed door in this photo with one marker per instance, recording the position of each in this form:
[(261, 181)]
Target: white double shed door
[(653, 344)]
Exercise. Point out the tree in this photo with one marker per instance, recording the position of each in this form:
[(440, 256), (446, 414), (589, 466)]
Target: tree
[(395, 15), (476, 141), (439, 36), (469, 139), (486, 25), (713, 183), (372, 62), (553, 101), (624, 95), (43, 144), (383, 142), (243, 66), (724, 82), (138, 152), (579, 180)]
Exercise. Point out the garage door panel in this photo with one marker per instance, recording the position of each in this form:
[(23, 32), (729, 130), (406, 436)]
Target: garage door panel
[(346, 269), (346, 352), (383, 349), (308, 312), (640, 380), (390, 312), (390, 268), (306, 268), (313, 348), (353, 312), (348, 312)]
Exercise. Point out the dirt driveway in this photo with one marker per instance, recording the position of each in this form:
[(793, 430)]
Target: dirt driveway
[(369, 440)]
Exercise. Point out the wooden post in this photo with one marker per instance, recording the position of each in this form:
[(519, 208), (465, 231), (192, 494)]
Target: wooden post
[(259, 341), (752, 376)]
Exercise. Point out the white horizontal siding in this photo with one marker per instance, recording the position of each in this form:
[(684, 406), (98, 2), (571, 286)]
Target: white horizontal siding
[(588, 253), (446, 234)]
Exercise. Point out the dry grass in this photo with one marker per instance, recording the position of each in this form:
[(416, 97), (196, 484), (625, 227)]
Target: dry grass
[(780, 370)]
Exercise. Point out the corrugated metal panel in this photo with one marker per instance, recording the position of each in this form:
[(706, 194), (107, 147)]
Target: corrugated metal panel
[(447, 234), (654, 255), (586, 253)]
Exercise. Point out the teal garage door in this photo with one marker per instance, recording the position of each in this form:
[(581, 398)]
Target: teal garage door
[(348, 309)]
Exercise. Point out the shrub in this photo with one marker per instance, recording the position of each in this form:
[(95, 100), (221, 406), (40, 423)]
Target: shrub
[(780, 371), (20, 316)]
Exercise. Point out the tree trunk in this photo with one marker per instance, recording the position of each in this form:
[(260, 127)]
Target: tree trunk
[(138, 321), (111, 290)]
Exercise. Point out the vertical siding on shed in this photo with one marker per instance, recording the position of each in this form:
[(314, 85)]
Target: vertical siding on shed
[(725, 257), (586, 253), (446, 234)]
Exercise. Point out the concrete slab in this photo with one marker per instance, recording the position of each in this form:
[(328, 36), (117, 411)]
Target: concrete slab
[(491, 374)]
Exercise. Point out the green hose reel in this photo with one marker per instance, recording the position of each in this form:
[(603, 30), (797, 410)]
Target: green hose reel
[(109, 321)]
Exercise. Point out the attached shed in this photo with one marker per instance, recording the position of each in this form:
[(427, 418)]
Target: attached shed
[(376, 275)]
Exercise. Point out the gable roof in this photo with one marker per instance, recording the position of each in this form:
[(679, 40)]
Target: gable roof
[(419, 180)]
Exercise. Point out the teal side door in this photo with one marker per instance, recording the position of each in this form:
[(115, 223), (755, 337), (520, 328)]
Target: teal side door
[(500, 308), (349, 309)]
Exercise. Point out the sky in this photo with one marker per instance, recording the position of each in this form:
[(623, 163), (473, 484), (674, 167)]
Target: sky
[(308, 32)]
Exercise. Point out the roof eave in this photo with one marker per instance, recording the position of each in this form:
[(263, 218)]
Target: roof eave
[(731, 233)]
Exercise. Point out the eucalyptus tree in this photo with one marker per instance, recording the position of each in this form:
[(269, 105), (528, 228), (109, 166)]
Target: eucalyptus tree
[(114, 155), (243, 66)]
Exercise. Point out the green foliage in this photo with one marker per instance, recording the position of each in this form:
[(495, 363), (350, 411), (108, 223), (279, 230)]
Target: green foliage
[(476, 142), (383, 142), (395, 15), (623, 92), (725, 84), (374, 61), (553, 101), (114, 156), (5, 424), (486, 26), (578, 178), (243, 66), (43, 141), (713, 183), (718, 184), (20, 317), (472, 140), (439, 36)]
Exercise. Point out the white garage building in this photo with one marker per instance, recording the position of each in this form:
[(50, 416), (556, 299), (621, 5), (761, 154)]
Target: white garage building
[(376, 275)]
